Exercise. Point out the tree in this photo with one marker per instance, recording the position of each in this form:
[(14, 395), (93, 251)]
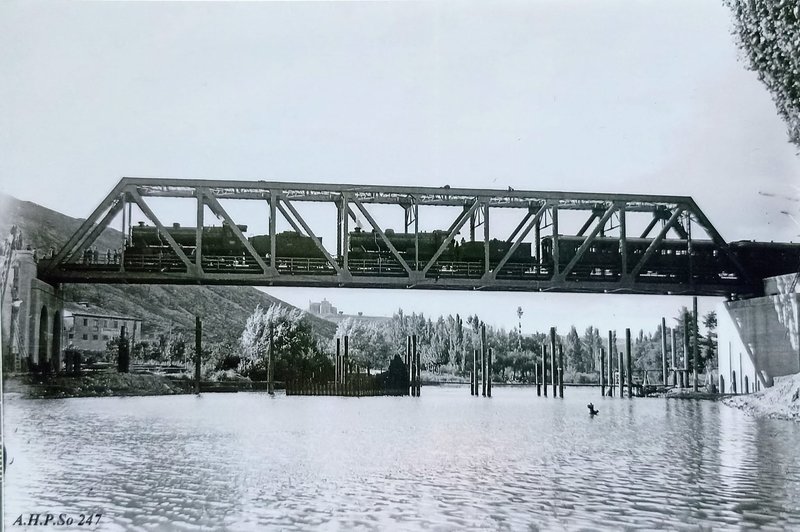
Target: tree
[(709, 342), (768, 33), (367, 344), (295, 351), (576, 354)]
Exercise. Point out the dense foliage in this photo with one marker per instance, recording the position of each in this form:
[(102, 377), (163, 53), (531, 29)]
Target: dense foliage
[(768, 34), (294, 346)]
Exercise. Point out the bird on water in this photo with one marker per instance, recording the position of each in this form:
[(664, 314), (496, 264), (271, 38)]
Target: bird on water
[(592, 411)]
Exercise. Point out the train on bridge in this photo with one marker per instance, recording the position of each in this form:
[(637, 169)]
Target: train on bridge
[(368, 254)]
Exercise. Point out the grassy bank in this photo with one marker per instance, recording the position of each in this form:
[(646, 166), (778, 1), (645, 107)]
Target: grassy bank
[(90, 385)]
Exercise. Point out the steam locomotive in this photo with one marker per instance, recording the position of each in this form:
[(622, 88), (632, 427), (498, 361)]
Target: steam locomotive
[(671, 262)]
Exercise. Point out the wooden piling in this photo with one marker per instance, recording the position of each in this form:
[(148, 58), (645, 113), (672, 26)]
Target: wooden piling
[(489, 374), (685, 374), (418, 364), (409, 366), (475, 372), (610, 364), (560, 371), (123, 352), (674, 358), (338, 361), (553, 375), (628, 365), (536, 373), (663, 351), (695, 347), (346, 361), (483, 359), (721, 384), (270, 359), (602, 372), (198, 351), (621, 373), (544, 370)]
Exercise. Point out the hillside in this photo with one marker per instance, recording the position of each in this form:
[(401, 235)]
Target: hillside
[(224, 308)]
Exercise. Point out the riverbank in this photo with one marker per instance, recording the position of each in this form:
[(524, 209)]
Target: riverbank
[(781, 401), (91, 385)]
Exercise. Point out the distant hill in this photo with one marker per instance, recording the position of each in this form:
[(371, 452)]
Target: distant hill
[(224, 308)]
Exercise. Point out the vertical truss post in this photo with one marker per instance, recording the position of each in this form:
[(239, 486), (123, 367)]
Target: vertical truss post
[(472, 227), (554, 220), (272, 236), (198, 239), (537, 236), (124, 233), (345, 233), (689, 248), (416, 235), (339, 211), (623, 245), (486, 236)]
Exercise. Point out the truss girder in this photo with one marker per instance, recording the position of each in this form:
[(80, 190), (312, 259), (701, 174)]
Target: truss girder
[(490, 273)]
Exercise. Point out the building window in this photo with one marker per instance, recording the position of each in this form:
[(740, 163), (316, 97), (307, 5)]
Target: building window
[(85, 322), (94, 337), (71, 336), (105, 323), (85, 336), (116, 324), (105, 337)]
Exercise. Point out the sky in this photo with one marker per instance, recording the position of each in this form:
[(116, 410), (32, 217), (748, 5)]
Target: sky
[(613, 96)]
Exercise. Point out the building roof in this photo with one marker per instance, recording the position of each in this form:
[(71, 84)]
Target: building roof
[(85, 309)]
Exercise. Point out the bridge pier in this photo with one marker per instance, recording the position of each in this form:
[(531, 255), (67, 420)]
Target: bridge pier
[(32, 317), (759, 338)]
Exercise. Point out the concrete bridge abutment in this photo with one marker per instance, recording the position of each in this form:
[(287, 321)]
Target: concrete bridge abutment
[(759, 338), (32, 318)]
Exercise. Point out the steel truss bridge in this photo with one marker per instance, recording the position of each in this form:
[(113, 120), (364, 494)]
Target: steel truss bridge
[(630, 244)]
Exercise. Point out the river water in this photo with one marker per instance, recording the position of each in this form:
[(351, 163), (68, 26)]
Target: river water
[(445, 461)]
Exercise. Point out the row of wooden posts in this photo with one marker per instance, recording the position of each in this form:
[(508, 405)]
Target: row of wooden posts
[(556, 375), (344, 367), (480, 380), (680, 375)]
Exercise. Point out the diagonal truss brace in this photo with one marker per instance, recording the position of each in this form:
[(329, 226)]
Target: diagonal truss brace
[(115, 209), (705, 223), (280, 198), (88, 224), (654, 245), (217, 209), (380, 232), (454, 229), (134, 194), (520, 236), (581, 251)]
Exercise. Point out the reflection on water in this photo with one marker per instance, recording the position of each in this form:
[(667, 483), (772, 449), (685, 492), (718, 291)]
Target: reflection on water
[(447, 460)]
